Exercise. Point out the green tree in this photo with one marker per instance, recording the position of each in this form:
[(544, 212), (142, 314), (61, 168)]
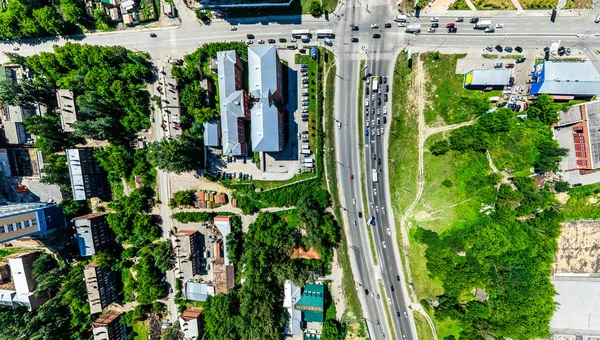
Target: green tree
[(315, 9), (469, 137), (46, 272), (117, 160), (331, 330), (544, 109), (178, 155), (222, 316), (49, 20), (103, 128), (440, 147), (172, 333), (183, 197)]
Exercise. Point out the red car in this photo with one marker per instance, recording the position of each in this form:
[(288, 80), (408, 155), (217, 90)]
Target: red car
[(450, 25), (351, 176), (509, 65)]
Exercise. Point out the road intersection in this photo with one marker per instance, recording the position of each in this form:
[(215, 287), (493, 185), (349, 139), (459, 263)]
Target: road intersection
[(529, 29)]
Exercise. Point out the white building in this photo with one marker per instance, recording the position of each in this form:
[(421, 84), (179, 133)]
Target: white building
[(190, 323), (19, 292), (292, 295)]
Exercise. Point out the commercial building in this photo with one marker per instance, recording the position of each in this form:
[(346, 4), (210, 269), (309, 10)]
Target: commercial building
[(234, 103), (88, 179), (224, 277), (19, 292), (188, 252), (66, 107), (198, 291), (109, 327), (27, 219), (487, 79), (92, 233), (212, 133), (191, 322), (570, 78), (265, 78), (312, 306), (292, 295), (100, 286), (578, 130)]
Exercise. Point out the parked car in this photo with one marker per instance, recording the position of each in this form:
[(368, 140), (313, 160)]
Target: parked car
[(387, 88), (385, 97), (450, 24), (502, 104), (354, 28), (509, 65), (498, 48), (271, 41), (376, 35), (489, 48), (260, 41), (520, 60), (282, 40), (519, 49), (498, 65), (597, 20), (508, 49), (250, 36), (354, 40), (153, 35), (452, 30), (388, 25)]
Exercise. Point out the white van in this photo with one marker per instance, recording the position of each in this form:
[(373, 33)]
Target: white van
[(366, 102)]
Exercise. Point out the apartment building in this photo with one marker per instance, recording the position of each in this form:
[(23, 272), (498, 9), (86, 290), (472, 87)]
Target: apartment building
[(92, 233), (100, 286), (190, 322), (27, 219), (109, 327), (88, 179), (188, 249), (19, 291)]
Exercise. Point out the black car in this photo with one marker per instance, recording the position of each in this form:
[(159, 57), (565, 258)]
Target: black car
[(392, 288), (452, 29), (271, 41), (387, 88), (519, 49), (398, 277), (502, 104), (304, 116), (378, 101), (376, 35), (282, 40), (354, 27), (379, 161), (153, 35), (498, 48), (520, 60), (380, 79), (360, 214), (474, 20), (508, 49), (546, 49), (388, 25), (304, 66), (435, 25), (385, 97), (354, 39), (250, 36), (384, 120), (374, 156), (366, 292), (398, 313), (367, 90), (459, 19), (385, 80)]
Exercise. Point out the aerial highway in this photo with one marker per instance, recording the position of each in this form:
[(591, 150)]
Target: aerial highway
[(527, 30)]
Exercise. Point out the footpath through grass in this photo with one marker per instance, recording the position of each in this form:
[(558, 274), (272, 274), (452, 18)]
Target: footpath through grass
[(448, 101)]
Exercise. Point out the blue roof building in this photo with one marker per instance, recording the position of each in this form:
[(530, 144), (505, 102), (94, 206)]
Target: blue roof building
[(566, 77)]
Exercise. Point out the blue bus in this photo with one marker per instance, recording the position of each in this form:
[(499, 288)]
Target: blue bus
[(313, 52)]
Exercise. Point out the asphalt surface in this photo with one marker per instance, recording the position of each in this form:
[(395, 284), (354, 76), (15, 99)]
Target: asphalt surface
[(528, 29)]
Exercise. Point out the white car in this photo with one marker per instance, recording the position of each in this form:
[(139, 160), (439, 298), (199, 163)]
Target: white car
[(435, 19), (261, 41), (499, 25), (374, 192), (339, 125), (431, 30), (401, 24), (389, 231), (385, 110), (367, 123), (233, 28), (597, 19), (293, 40), (383, 244), (374, 25)]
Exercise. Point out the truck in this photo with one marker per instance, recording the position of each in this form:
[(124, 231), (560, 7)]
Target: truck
[(375, 175), (482, 24), (375, 84), (414, 28)]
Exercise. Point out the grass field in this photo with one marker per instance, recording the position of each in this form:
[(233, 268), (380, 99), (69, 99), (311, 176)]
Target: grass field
[(549, 4), (448, 102), (141, 331), (403, 156), (423, 329), (4, 252), (460, 5), (493, 4)]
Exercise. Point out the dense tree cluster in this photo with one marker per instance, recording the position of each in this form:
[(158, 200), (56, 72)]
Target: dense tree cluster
[(254, 310), (181, 154), (183, 197), (130, 221), (30, 19)]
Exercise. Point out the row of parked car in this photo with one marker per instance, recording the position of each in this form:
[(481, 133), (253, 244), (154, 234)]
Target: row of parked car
[(305, 99), (240, 175)]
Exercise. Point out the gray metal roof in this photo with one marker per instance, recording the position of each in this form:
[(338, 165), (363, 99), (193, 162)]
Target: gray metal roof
[(266, 133), (570, 78), (593, 120), (571, 116), (212, 133), (198, 291), (15, 132), (76, 173), (578, 305), (231, 102), (490, 77), (263, 76)]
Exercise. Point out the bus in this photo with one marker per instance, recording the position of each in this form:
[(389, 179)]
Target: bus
[(300, 33), (325, 33)]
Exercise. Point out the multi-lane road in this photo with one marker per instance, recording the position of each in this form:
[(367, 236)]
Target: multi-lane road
[(532, 30)]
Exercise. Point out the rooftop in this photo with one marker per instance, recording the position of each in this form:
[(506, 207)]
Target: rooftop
[(106, 318), (232, 101), (262, 69), (567, 77), (191, 313), (491, 77), (198, 291), (90, 216), (578, 305), (312, 303), (592, 110)]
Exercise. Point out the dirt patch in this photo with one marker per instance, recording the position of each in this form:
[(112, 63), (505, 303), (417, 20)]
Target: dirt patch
[(593, 200), (562, 197), (578, 248), (300, 253), (422, 215)]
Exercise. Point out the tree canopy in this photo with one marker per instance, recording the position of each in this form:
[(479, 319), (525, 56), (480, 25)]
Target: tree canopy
[(177, 155)]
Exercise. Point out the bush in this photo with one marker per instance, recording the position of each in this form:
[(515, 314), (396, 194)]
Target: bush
[(315, 9), (440, 147), (193, 217), (447, 183), (183, 197)]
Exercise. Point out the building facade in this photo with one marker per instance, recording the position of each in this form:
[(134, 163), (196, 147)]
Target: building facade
[(191, 322), (100, 286), (88, 179), (92, 233), (19, 291), (109, 327), (188, 252), (26, 219)]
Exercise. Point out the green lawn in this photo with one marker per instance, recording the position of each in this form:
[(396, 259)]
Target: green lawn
[(460, 5), (493, 4), (423, 329), (448, 101), (265, 185), (141, 331), (4, 252)]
